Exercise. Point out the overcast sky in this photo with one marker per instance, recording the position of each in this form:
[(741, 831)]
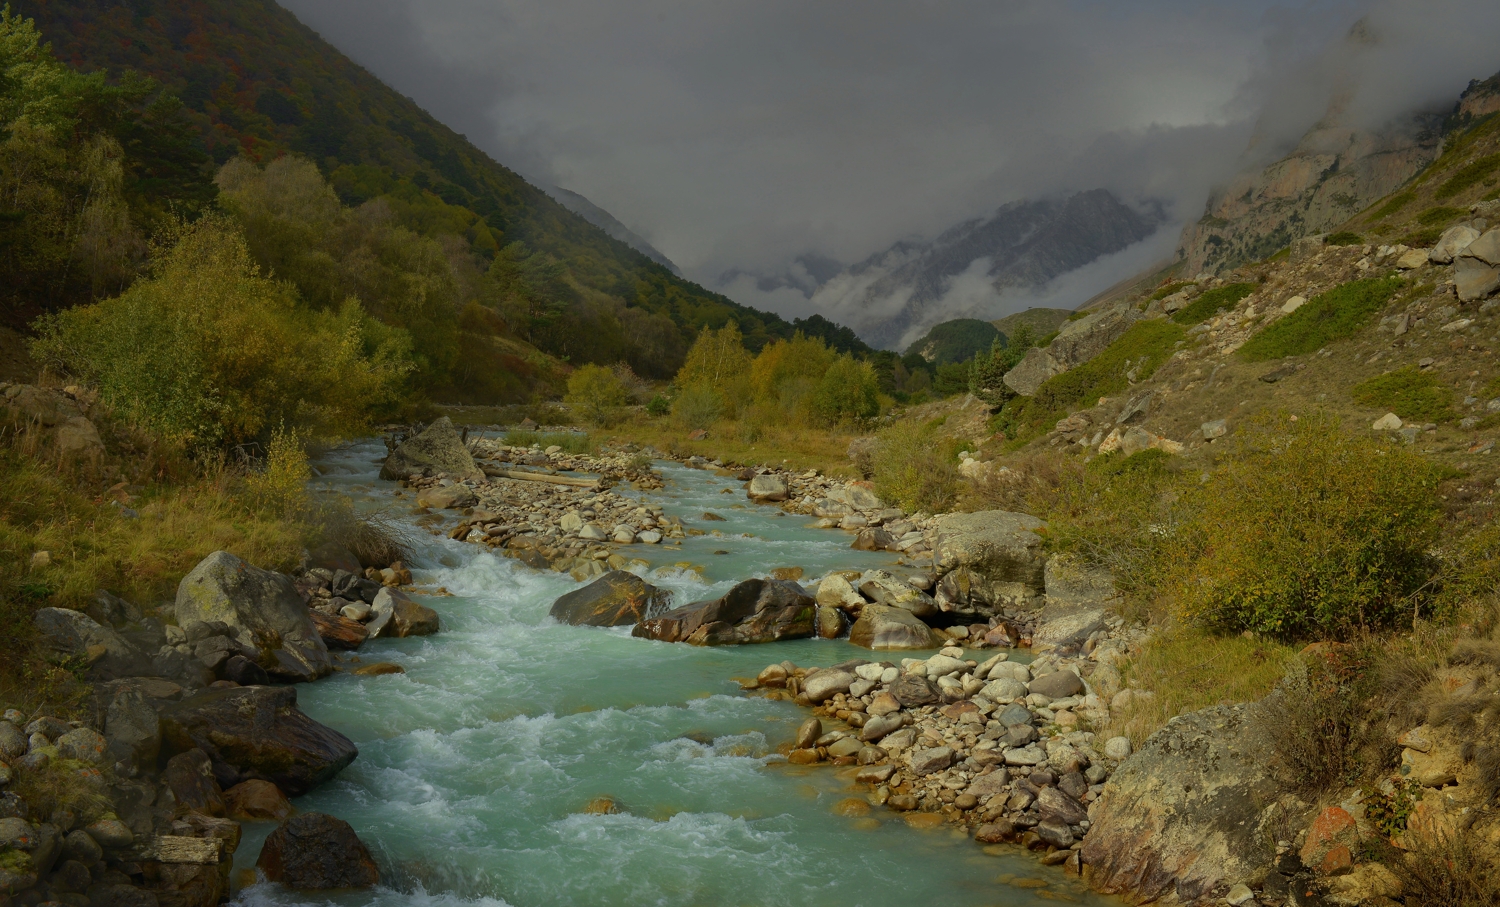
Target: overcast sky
[(742, 133)]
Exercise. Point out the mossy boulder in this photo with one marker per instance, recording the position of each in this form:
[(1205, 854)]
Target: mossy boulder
[(438, 449)]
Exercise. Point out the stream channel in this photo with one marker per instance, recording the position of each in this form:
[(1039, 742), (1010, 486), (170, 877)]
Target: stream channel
[(475, 765)]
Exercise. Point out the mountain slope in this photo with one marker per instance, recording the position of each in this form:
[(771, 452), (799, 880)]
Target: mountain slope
[(610, 224), (256, 81), (955, 341), (894, 294)]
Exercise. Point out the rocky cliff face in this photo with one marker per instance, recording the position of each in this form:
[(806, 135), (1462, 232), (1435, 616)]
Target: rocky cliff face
[(892, 296), (1334, 173)]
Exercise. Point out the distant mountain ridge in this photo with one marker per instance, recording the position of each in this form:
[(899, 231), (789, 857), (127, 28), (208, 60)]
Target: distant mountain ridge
[(894, 294), (610, 224)]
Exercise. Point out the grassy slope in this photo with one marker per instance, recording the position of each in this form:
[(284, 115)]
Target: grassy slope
[(258, 81)]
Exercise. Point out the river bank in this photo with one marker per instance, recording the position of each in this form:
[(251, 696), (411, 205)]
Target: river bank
[(505, 700)]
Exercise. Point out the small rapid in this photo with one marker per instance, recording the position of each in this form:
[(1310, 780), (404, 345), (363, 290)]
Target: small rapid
[(477, 765)]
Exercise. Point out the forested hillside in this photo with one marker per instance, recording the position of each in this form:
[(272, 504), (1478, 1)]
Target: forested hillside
[(254, 82)]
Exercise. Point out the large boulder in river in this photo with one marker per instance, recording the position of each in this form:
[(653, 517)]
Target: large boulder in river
[(317, 852), (615, 599), (438, 449), (767, 488), (885, 627), (393, 613), (257, 732), (995, 544), (1189, 813), (263, 610), (757, 610)]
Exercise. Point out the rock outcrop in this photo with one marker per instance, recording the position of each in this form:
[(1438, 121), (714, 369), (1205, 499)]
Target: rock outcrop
[(998, 545), (1185, 814), (438, 449), (257, 732), (262, 608), (1077, 342), (618, 598), (756, 610)]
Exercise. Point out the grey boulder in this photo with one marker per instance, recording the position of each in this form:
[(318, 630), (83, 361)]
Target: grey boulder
[(1186, 815), (438, 449), (263, 610), (767, 488), (996, 544), (76, 634), (885, 627)]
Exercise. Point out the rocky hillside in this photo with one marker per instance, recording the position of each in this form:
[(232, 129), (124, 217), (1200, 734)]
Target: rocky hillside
[(1291, 332), (1335, 172), (892, 295)]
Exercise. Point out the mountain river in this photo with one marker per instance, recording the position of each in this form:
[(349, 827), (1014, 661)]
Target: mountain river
[(475, 766)]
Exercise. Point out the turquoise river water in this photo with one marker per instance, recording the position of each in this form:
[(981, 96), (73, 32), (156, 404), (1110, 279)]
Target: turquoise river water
[(475, 765)]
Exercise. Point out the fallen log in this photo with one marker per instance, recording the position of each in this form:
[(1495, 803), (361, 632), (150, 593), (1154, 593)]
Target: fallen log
[(523, 476)]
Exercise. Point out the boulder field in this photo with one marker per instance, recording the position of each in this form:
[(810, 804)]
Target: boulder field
[(183, 737)]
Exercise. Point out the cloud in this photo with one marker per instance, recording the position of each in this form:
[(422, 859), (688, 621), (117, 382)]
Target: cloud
[(738, 135)]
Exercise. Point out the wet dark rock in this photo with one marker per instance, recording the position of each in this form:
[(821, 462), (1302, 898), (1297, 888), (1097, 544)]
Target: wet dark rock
[(245, 672), (337, 631), (756, 610), (911, 691), (317, 852), (257, 732), (190, 777), (618, 598)]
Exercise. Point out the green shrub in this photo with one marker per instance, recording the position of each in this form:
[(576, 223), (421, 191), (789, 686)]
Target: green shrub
[(1440, 216), (1325, 318), (1130, 515), (595, 394), (1409, 393), (1421, 239), (1477, 172), (1170, 288), (847, 392), (1394, 203), (698, 406), (1343, 238), (659, 406), (1310, 532), (1224, 297), (575, 442), (208, 350), (1142, 349), (913, 468)]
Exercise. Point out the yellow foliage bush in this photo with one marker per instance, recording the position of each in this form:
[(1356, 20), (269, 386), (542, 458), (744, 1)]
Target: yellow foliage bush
[(281, 486), (595, 394), (718, 361), (208, 350), (1309, 531), (914, 469)]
